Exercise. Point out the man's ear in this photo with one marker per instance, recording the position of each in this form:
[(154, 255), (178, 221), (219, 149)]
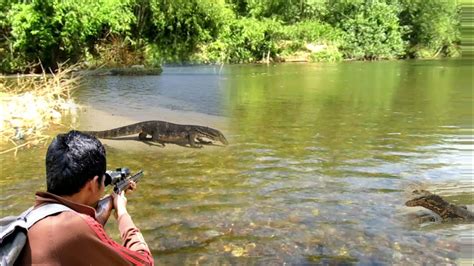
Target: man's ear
[(90, 185)]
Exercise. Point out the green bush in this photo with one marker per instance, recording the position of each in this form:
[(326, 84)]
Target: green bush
[(180, 26), (282, 10), (298, 35), (432, 27), (250, 40), (311, 31), (9, 62), (54, 31), (222, 31), (372, 29), (330, 54), (244, 40)]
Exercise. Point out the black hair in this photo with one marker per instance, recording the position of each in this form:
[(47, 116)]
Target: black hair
[(73, 159)]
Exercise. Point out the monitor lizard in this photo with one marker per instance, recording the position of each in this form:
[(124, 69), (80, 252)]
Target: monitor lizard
[(438, 205), (166, 132)]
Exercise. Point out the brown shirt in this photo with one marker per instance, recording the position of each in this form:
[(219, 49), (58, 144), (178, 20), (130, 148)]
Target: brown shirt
[(76, 238)]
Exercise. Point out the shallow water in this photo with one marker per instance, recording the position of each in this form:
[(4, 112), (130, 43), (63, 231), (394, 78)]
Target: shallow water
[(320, 162)]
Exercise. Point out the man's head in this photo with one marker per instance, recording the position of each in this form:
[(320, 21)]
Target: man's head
[(72, 160)]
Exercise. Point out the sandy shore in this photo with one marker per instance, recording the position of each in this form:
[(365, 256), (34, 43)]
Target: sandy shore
[(93, 119)]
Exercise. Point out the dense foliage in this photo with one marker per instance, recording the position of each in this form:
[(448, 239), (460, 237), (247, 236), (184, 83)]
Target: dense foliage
[(432, 26), (55, 31), (152, 32), (372, 28)]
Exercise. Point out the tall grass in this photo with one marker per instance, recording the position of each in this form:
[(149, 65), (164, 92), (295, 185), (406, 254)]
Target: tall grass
[(29, 104)]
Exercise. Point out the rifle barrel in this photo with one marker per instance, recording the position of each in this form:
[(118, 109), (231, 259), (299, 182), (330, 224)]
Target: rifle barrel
[(124, 183)]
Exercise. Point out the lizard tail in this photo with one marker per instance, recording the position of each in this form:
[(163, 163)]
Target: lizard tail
[(117, 132)]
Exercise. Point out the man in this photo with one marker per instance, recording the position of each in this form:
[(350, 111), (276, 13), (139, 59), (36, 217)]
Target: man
[(75, 173)]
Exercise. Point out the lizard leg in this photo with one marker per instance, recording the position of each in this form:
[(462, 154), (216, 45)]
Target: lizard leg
[(142, 136), (191, 138), (153, 143), (203, 141), (161, 143), (155, 137)]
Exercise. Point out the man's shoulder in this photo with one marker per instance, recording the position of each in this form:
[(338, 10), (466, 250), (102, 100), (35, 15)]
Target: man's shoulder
[(57, 237), (64, 238), (67, 224)]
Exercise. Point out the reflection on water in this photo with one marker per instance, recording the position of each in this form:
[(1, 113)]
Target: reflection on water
[(187, 89), (320, 160)]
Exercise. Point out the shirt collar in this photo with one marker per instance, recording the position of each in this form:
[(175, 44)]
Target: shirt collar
[(46, 197)]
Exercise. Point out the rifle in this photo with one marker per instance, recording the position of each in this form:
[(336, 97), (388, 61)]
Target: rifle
[(120, 179)]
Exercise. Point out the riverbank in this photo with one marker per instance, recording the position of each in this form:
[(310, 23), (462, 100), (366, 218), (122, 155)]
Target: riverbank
[(137, 70), (29, 105), (94, 119), (226, 32)]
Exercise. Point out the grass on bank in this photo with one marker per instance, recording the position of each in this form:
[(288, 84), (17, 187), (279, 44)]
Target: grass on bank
[(29, 104)]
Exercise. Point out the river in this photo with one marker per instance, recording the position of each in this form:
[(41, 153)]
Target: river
[(321, 159)]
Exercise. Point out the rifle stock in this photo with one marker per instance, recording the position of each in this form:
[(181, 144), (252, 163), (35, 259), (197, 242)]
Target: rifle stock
[(104, 209)]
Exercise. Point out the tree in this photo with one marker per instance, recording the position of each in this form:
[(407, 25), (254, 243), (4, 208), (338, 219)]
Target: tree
[(372, 29), (432, 26), (289, 11), (54, 31)]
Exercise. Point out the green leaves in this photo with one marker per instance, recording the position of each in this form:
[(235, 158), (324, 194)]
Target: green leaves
[(371, 29), (432, 26), (53, 31), (234, 31), (179, 26)]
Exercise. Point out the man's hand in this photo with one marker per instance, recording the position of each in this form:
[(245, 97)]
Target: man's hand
[(120, 200), (120, 204), (132, 186)]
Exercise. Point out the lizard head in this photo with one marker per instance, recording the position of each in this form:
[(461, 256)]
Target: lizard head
[(419, 196), (422, 198), (220, 137), (212, 134)]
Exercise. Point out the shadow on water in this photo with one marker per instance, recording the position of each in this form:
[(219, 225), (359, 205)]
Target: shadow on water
[(321, 157)]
